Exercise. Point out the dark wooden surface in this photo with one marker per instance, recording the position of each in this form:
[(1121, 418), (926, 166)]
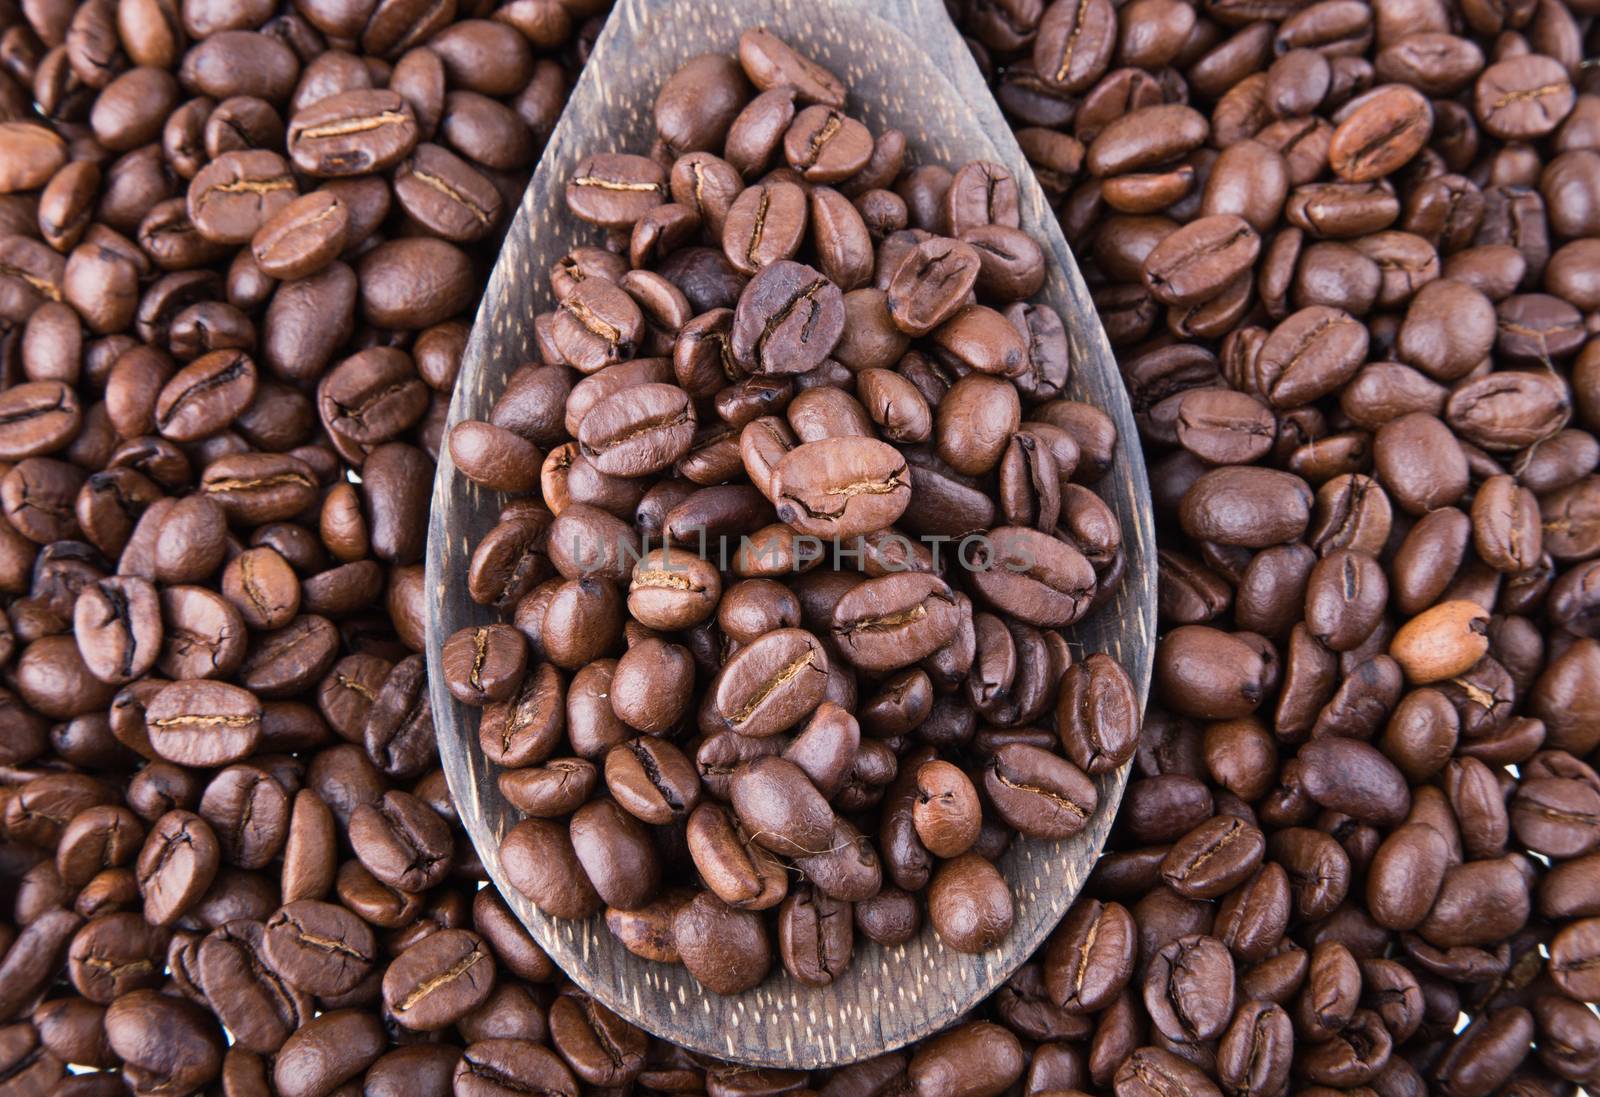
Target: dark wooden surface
[(906, 67)]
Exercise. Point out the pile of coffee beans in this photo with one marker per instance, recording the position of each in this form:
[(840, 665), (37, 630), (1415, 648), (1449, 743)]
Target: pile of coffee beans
[(1350, 255), (782, 609)]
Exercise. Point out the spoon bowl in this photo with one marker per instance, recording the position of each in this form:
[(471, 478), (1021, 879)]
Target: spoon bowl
[(906, 67)]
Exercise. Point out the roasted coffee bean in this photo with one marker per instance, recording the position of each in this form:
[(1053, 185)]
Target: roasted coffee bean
[(894, 620), (327, 1052), (352, 133), (740, 873), (176, 866), (161, 1036), (770, 684), (639, 431), (841, 487), (318, 947), (540, 864), (787, 320), (780, 809), (726, 950), (1090, 957), (496, 1066), (233, 196), (201, 723), (401, 841), (1095, 714), (1377, 222), (969, 904), (257, 1005), (1038, 793), (439, 979), (485, 664)]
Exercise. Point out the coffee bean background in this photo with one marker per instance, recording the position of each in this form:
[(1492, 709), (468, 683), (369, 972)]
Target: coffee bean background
[(1347, 255)]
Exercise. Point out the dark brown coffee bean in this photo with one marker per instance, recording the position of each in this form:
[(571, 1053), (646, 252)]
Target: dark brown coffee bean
[(1038, 793), (499, 1066), (788, 319), (1380, 134), (1522, 97), (894, 620), (1095, 714), (1074, 45), (303, 237), (485, 664), (615, 851), (320, 948), (814, 937), (841, 487), (203, 723), (327, 1052), (825, 145), (640, 431), (438, 980), (969, 904), (352, 133), (741, 873), (162, 1036), (726, 950), (237, 193), (540, 863), (1196, 262), (176, 866), (1090, 957), (770, 62), (1032, 576), (401, 841)]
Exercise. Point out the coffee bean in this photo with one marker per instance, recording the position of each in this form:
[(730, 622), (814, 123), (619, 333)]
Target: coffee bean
[(815, 937), (259, 1008), (493, 1067), (615, 189), (969, 904), (203, 723), (825, 145), (771, 684), (327, 1052), (33, 153), (319, 947), (727, 950), (303, 237), (780, 809), (1380, 133), (789, 317), (652, 779), (1522, 97), (642, 434), (739, 872), (771, 62), (237, 193), (438, 980), (485, 664), (162, 1036), (1038, 793), (352, 133), (540, 863), (1035, 577), (946, 813), (401, 841)]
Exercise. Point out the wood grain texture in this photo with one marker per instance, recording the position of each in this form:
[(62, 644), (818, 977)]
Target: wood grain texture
[(906, 67)]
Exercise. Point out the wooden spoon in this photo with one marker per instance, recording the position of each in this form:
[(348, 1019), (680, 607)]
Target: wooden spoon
[(906, 67)]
